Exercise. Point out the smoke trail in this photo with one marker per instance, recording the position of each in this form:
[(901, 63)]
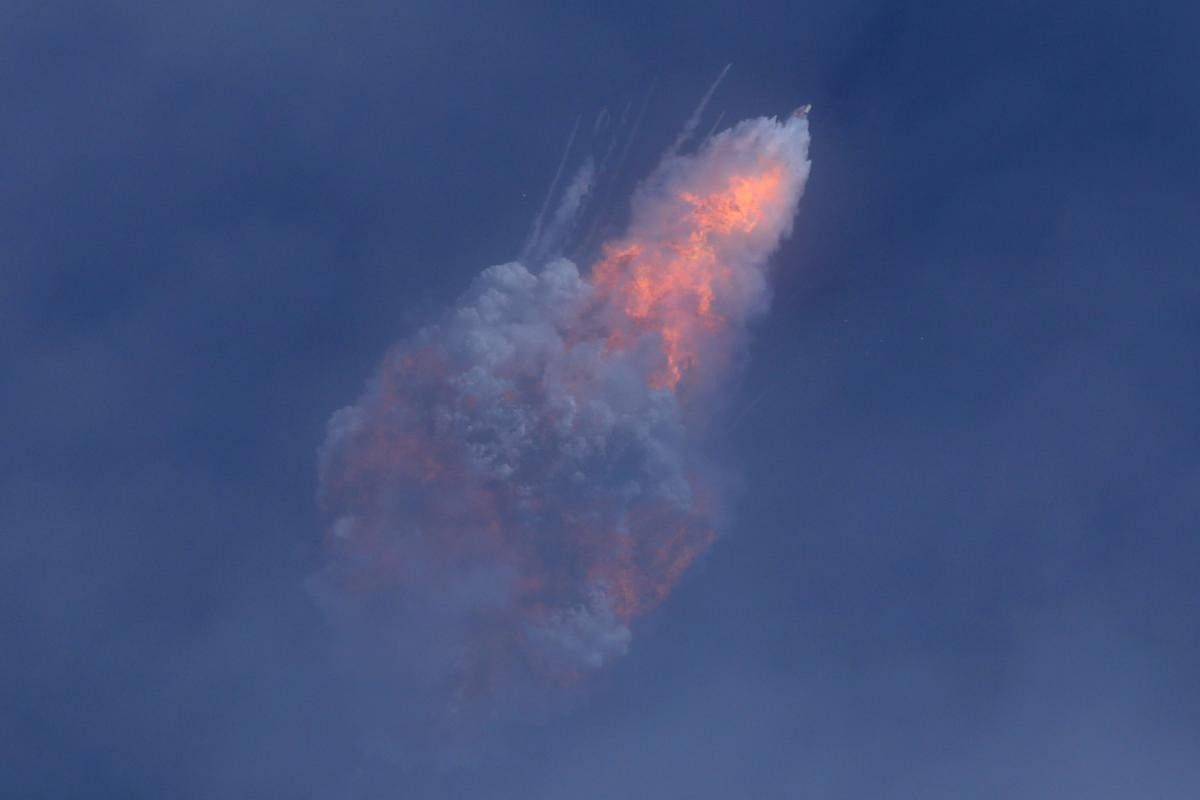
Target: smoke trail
[(693, 121), (535, 232), (599, 221), (569, 207), (716, 124), (602, 120), (524, 479)]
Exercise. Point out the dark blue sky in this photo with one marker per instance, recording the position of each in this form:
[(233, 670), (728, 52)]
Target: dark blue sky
[(962, 561)]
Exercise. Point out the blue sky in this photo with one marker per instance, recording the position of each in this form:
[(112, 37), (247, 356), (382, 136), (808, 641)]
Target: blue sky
[(961, 559)]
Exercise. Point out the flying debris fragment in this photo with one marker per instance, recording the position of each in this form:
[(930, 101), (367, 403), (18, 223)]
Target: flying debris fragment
[(802, 111), (524, 479)]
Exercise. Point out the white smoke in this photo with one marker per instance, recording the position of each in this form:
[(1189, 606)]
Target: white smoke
[(689, 127), (569, 207), (512, 489), (535, 233)]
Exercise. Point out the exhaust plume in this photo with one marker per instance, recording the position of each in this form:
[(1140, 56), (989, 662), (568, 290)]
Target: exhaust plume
[(523, 480)]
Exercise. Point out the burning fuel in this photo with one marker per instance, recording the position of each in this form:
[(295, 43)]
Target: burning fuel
[(523, 480)]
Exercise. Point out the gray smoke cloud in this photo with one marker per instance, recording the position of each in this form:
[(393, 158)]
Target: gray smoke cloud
[(525, 478)]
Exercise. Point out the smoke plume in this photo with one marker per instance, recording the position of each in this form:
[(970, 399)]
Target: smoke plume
[(524, 479)]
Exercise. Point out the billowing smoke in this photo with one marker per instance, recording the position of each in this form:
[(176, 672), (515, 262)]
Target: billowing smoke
[(524, 479)]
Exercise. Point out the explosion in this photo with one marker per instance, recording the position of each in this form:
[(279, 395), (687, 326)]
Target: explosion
[(669, 286), (524, 479)]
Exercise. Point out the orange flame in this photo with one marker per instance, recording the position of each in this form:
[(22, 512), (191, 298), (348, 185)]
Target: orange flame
[(670, 287), (504, 495)]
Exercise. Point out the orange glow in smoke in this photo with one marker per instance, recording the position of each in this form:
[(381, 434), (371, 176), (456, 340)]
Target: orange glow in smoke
[(431, 505), (670, 287)]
